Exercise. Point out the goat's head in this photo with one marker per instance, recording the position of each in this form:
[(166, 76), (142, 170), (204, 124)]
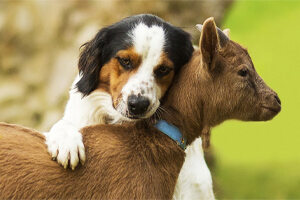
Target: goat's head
[(222, 76)]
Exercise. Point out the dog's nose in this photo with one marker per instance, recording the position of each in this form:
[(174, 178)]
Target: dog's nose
[(137, 105)]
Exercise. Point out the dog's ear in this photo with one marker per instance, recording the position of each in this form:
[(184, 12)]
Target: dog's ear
[(90, 62)]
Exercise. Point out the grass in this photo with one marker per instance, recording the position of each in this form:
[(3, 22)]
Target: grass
[(261, 160)]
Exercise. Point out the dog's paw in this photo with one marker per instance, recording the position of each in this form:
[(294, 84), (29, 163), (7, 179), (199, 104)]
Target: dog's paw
[(65, 145)]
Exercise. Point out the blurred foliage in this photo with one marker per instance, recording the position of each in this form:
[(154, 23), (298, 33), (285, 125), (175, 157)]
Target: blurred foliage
[(260, 160), (40, 43)]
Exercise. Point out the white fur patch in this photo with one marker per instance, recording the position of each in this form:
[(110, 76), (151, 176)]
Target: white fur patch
[(194, 180), (149, 43), (92, 109), (64, 140), (65, 143)]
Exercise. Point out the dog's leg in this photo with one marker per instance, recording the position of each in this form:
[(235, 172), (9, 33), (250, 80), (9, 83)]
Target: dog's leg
[(64, 140)]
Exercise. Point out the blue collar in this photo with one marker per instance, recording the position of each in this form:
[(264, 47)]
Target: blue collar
[(172, 131)]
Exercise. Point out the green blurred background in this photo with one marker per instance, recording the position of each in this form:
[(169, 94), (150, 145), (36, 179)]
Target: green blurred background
[(39, 47), (262, 159)]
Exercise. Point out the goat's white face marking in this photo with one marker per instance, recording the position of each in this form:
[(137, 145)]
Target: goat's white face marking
[(149, 43)]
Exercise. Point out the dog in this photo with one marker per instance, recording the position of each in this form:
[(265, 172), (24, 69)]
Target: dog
[(124, 72), (146, 159)]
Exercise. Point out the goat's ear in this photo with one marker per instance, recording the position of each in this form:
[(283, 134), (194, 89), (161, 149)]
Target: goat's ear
[(90, 62), (227, 32), (212, 39), (209, 42)]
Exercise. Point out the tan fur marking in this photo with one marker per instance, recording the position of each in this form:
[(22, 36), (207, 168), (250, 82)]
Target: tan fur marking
[(113, 76), (165, 81)]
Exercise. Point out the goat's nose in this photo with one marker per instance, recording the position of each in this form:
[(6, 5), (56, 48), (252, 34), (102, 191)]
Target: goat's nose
[(137, 105), (277, 99)]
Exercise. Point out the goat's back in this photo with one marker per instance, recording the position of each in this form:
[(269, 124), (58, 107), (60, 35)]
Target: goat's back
[(123, 162), (26, 169)]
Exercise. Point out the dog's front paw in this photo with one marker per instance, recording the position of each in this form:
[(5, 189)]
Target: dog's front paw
[(65, 145)]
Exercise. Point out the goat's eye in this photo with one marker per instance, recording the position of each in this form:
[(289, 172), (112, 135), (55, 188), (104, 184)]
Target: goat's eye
[(162, 71), (243, 72), (125, 62)]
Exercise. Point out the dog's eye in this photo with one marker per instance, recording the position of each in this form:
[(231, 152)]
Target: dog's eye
[(162, 71), (125, 62), (243, 72)]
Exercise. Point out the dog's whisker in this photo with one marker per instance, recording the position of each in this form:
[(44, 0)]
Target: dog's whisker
[(159, 113), (165, 110)]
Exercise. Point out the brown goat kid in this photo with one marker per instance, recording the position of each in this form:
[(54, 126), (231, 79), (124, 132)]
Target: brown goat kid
[(136, 161)]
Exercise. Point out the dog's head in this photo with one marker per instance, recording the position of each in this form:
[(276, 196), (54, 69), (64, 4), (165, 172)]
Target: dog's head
[(134, 60)]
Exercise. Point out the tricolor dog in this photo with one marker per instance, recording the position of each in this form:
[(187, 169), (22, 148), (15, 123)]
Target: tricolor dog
[(123, 74)]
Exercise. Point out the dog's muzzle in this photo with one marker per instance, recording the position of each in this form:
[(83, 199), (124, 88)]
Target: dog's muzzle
[(137, 105)]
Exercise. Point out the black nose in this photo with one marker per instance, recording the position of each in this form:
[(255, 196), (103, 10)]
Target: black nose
[(137, 105), (277, 99)]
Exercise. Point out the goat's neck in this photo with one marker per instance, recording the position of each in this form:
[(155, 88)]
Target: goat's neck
[(189, 127), (185, 107)]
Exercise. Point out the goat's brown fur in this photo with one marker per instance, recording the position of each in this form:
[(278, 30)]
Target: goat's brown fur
[(136, 161), (134, 158)]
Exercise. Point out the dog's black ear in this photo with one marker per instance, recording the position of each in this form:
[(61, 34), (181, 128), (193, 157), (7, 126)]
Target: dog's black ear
[(90, 62)]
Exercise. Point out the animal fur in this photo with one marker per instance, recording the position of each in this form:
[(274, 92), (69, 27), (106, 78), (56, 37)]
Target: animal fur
[(136, 161)]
